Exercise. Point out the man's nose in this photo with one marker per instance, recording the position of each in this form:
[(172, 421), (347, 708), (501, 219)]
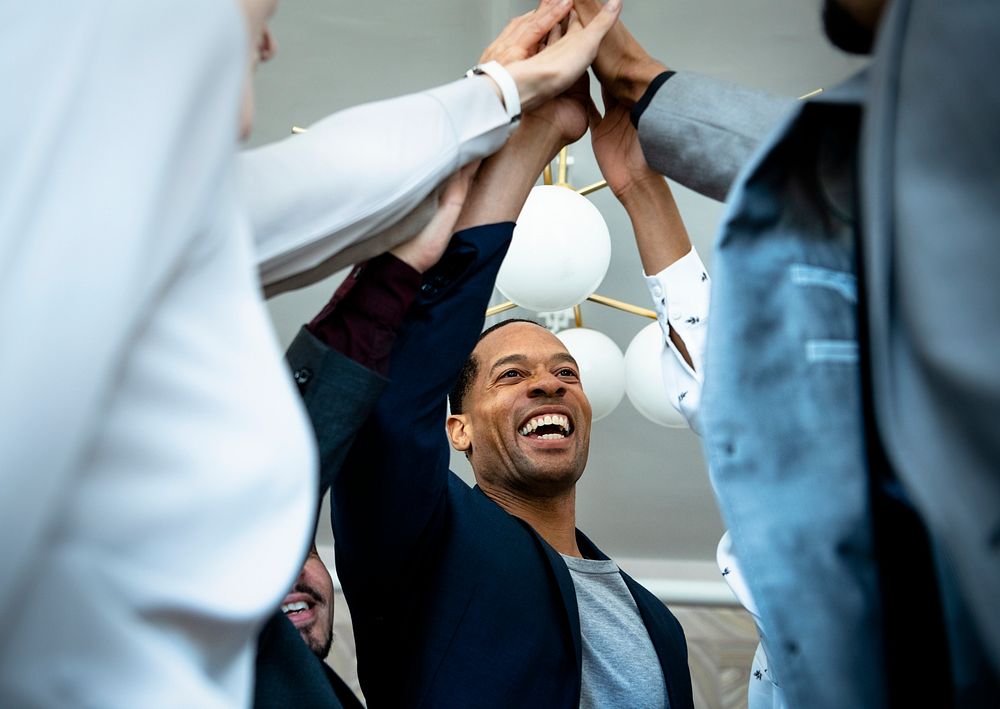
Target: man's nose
[(547, 384)]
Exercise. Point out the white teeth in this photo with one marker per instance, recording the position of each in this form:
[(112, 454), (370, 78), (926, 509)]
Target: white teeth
[(546, 420), (293, 607)]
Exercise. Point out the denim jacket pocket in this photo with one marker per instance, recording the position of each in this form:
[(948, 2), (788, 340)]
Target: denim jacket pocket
[(846, 284), (832, 296), (833, 351)]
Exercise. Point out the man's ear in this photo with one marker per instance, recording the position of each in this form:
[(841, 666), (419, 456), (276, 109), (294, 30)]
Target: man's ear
[(459, 432)]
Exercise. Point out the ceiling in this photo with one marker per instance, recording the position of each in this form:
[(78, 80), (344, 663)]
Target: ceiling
[(645, 493)]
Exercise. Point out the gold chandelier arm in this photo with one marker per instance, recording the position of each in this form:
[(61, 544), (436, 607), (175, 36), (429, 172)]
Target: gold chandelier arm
[(563, 167), (578, 315), (497, 309), (584, 191), (815, 92), (621, 305), (547, 174), (296, 130)]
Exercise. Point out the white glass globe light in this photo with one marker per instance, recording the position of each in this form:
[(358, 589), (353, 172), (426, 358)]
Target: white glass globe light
[(559, 254), (602, 368), (644, 378)]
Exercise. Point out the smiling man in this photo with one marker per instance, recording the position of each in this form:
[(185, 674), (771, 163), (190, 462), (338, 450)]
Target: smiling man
[(519, 399), (291, 668), (489, 596), (309, 605)]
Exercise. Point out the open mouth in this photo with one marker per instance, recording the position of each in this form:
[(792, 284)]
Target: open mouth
[(293, 609), (547, 427), (300, 608)]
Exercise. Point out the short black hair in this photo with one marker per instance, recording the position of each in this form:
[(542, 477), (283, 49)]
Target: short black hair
[(471, 367)]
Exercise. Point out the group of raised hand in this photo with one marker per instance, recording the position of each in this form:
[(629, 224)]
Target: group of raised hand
[(547, 52), (564, 38)]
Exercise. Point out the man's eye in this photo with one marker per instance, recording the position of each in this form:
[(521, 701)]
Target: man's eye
[(566, 372), (510, 374)]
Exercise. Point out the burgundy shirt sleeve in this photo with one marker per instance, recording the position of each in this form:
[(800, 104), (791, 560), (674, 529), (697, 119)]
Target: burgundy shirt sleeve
[(363, 316)]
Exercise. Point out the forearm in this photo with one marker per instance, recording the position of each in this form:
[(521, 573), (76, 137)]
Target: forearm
[(359, 171), (387, 500), (504, 180), (660, 234)]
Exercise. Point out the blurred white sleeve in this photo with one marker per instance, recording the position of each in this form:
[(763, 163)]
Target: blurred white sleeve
[(358, 172), (681, 295), (763, 690), (119, 124)]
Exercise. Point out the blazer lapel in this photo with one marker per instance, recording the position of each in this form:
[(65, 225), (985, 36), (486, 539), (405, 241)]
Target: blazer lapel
[(664, 632), (568, 592), (566, 589), (668, 641)]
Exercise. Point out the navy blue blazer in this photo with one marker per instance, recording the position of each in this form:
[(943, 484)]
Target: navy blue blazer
[(455, 602)]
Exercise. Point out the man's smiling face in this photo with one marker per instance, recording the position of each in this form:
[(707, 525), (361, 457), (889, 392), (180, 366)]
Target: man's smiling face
[(525, 421), (309, 605)]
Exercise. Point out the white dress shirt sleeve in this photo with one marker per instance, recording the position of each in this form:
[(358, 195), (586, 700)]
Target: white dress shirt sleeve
[(118, 133), (361, 170), (681, 293)]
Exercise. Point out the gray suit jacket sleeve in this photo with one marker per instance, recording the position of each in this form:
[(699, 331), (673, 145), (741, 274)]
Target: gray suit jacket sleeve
[(700, 131), (339, 394)]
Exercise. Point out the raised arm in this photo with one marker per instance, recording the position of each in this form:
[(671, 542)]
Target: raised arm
[(317, 199), (677, 280), (389, 499), (340, 360), (694, 129)]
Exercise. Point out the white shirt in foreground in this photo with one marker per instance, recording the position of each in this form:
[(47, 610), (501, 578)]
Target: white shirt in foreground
[(157, 470)]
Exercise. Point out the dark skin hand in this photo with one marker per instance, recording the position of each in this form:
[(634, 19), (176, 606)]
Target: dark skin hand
[(622, 66)]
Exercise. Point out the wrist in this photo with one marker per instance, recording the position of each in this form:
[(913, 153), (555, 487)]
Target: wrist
[(503, 85), (642, 191), (531, 81), (632, 83), (541, 134)]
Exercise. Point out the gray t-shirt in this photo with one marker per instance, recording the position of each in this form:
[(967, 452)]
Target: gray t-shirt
[(620, 665)]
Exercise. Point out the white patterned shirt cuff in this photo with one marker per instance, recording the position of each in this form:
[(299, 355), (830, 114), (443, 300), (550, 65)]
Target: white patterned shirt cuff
[(681, 295)]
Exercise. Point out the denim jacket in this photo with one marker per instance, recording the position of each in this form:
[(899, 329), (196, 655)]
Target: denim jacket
[(781, 406)]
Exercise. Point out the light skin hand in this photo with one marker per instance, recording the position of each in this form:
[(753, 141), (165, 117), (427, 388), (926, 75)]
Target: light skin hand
[(623, 67), (567, 114), (425, 249), (544, 69), (525, 35), (505, 179)]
